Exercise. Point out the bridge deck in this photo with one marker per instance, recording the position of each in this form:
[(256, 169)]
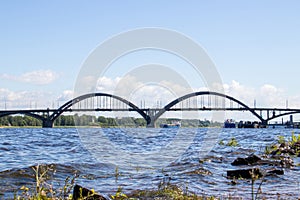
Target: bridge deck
[(152, 109)]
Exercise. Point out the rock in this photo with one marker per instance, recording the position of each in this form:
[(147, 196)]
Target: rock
[(284, 145), (292, 152), (287, 163), (281, 161), (296, 148), (200, 171), (84, 193), (244, 173), (296, 144), (276, 171), (275, 152), (250, 160), (240, 161), (269, 162), (233, 182), (285, 148)]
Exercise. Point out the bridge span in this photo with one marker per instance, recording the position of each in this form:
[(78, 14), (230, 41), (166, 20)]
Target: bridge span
[(197, 101)]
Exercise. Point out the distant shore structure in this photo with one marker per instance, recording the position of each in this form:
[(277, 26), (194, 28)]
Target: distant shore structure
[(176, 124), (229, 123)]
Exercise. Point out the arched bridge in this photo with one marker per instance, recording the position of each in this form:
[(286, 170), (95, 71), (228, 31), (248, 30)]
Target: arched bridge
[(197, 101)]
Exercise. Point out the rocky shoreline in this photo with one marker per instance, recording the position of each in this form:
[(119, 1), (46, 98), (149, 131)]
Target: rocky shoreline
[(273, 162)]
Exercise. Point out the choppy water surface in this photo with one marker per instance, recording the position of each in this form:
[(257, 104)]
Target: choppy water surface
[(20, 149)]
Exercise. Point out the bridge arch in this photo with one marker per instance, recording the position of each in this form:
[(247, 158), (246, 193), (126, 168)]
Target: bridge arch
[(283, 114), (23, 113), (70, 103), (36, 116), (187, 96)]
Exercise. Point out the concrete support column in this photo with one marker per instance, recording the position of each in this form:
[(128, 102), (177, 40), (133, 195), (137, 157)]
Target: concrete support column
[(264, 122), (151, 120), (151, 124), (47, 123)]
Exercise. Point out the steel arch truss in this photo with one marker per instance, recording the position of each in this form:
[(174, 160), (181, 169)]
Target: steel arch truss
[(187, 96), (76, 100)]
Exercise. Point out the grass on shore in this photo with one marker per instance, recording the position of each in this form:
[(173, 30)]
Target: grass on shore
[(45, 191)]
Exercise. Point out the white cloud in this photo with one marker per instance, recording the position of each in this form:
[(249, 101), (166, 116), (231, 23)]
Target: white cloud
[(151, 95), (240, 92), (105, 84), (24, 99), (267, 95), (32, 99), (66, 95), (135, 90), (8, 95), (38, 77), (163, 92), (272, 95)]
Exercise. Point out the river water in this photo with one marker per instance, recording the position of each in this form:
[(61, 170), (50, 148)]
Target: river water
[(145, 158)]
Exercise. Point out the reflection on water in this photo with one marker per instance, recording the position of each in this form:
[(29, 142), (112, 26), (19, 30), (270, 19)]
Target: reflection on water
[(22, 148)]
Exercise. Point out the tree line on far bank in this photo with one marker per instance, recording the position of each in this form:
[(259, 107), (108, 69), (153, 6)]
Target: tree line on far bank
[(101, 121)]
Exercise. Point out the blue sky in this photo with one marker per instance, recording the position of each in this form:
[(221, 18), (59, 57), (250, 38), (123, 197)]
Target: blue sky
[(253, 44)]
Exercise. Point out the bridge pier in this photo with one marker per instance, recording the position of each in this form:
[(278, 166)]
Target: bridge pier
[(151, 124), (151, 118), (264, 123), (47, 123)]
